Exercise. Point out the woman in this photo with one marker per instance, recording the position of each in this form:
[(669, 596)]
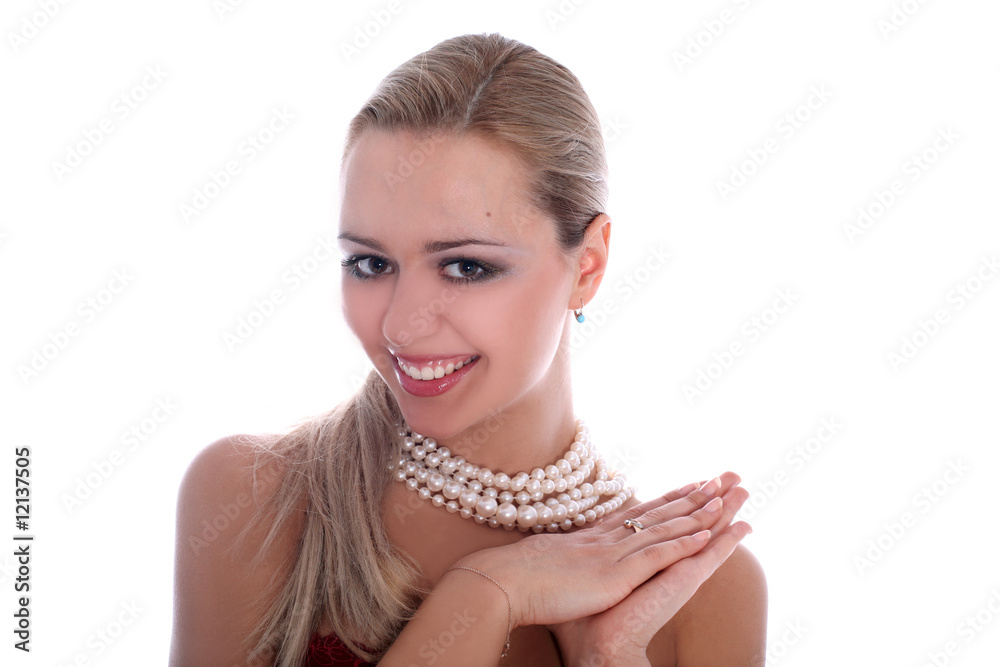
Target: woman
[(395, 528)]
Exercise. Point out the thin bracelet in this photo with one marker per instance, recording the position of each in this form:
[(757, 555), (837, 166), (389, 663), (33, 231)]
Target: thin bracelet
[(506, 644)]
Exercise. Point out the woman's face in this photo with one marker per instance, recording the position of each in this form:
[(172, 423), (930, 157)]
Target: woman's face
[(446, 260)]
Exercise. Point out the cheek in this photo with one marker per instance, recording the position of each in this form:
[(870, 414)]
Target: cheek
[(362, 312)]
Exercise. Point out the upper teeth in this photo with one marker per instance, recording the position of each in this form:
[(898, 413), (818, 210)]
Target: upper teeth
[(432, 372)]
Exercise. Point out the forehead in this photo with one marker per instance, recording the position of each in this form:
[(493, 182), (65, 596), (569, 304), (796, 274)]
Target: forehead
[(397, 182)]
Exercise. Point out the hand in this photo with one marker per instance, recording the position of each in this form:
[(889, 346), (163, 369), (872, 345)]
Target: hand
[(543, 572), (622, 633)]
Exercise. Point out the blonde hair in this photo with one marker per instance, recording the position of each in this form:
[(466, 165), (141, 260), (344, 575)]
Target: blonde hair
[(346, 571)]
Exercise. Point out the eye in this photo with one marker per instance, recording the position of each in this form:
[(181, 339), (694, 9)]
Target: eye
[(468, 270), (372, 266)]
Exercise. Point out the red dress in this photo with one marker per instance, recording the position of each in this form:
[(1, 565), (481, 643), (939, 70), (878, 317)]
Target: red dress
[(329, 651)]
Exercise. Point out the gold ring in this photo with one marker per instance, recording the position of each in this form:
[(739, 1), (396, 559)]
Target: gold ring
[(633, 524)]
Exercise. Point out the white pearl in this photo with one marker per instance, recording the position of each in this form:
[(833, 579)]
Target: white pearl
[(506, 514), (421, 475), (559, 513), (479, 519), (435, 482), (465, 512), (400, 475), (452, 506), (545, 514), (575, 494), (563, 467), (572, 509), (537, 529), (430, 444), (522, 497), (476, 486), (433, 459), (501, 481), (487, 507), (418, 452), (579, 520), (468, 498), (532, 485), (548, 486), (573, 459), (587, 489), (485, 476), (506, 497), (461, 479), (424, 493), (599, 510), (451, 490), (417, 437), (538, 474), (437, 500), (444, 452), (412, 484), (590, 515), (527, 516), (408, 444), (566, 524), (490, 492), (494, 522)]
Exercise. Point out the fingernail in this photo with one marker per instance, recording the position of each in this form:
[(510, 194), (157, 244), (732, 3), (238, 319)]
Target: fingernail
[(686, 489), (702, 536), (711, 486), (714, 505)]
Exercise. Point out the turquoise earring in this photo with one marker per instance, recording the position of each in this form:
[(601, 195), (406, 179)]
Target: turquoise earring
[(579, 313)]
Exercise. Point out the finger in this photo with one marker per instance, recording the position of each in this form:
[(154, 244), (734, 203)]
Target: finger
[(661, 597), (616, 519), (732, 502), (701, 519)]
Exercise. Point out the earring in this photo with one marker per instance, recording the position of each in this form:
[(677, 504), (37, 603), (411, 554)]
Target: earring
[(579, 313)]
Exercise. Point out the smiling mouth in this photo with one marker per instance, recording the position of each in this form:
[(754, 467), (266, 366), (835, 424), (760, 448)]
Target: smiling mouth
[(433, 372)]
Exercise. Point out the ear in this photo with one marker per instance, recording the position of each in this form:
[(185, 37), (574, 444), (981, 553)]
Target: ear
[(592, 260)]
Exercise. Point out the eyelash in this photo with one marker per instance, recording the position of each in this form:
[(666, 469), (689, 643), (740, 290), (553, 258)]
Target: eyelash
[(488, 271)]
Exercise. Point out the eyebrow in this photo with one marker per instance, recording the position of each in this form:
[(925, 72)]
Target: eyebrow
[(429, 248)]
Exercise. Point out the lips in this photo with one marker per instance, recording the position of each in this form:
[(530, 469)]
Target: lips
[(439, 364)]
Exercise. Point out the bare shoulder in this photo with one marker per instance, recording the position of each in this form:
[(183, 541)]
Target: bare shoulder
[(217, 594), (725, 622)]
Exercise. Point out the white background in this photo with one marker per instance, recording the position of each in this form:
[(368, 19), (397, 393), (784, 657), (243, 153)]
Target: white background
[(675, 131)]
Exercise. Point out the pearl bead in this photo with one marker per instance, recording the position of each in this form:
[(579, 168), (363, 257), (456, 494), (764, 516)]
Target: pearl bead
[(486, 507), (444, 452), (451, 490), (527, 516), (476, 485), (572, 459), (424, 493), (506, 497), (538, 474), (506, 514), (485, 476), (522, 497), (435, 482), (412, 484), (408, 444), (465, 512), (548, 486), (545, 515), (479, 519), (452, 506), (468, 498), (532, 485), (590, 515), (437, 500), (418, 452), (430, 444), (494, 522), (417, 437), (433, 459), (421, 475), (501, 481)]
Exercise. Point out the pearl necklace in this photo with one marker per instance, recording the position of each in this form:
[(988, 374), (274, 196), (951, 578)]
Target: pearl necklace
[(551, 499)]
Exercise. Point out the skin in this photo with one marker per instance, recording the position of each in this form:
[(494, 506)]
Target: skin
[(520, 392), (656, 597)]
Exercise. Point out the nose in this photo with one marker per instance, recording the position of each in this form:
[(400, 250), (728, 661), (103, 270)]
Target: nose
[(413, 311)]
